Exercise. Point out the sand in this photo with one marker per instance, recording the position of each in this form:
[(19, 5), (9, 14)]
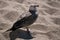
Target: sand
[(46, 27)]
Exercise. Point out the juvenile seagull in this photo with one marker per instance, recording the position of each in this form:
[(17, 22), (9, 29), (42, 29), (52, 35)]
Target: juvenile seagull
[(27, 20)]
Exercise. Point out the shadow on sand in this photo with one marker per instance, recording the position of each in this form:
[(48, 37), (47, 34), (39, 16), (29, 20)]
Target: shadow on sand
[(20, 34)]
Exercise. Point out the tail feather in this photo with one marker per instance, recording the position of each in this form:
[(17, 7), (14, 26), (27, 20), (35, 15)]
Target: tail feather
[(12, 29), (9, 30)]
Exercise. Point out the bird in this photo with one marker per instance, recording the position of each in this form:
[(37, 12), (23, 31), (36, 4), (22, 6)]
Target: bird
[(27, 20)]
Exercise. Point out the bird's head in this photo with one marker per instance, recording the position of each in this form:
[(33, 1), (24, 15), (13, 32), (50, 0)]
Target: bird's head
[(33, 9)]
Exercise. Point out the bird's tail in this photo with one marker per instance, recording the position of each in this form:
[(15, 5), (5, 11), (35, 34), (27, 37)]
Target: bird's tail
[(8, 30)]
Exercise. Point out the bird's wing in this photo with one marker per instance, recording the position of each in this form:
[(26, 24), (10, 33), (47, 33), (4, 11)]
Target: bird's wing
[(26, 14)]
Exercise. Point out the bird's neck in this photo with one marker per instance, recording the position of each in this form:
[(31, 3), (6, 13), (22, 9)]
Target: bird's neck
[(34, 14)]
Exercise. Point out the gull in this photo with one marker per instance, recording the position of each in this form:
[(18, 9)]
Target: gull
[(27, 19)]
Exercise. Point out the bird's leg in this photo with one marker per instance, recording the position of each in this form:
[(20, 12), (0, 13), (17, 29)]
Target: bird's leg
[(27, 30)]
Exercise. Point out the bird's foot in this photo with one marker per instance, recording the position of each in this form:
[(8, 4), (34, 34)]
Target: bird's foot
[(28, 31)]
